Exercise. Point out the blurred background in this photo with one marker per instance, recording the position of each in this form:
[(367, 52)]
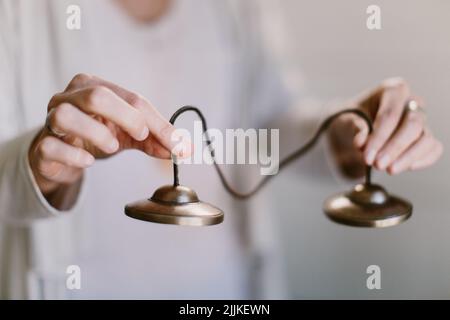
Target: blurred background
[(340, 57)]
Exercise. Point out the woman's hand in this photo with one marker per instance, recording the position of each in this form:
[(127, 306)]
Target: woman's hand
[(400, 141), (95, 119)]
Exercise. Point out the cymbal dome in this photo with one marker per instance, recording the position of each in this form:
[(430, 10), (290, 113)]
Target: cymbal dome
[(175, 194), (368, 194), (178, 205), (367, 206)]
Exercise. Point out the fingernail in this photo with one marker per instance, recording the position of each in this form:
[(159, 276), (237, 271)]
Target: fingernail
[(180, 152), (183, 151), (370, 157), (89, 160), (114, 145), (144, 133), (383, 162)]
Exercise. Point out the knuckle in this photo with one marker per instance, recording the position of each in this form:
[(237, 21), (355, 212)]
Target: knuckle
[(403, 88), (54, 100), (397, 83), (135, 99), (80, 79), (400, 82), (104, 137), (61, 115), (96, 96), (46, 147)]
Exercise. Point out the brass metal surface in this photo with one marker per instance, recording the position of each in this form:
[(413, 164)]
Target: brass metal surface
[(175, 205), (367, 206)]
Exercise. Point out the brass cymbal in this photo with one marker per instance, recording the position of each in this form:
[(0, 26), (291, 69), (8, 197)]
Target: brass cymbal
[(367, 205), (175, 205)]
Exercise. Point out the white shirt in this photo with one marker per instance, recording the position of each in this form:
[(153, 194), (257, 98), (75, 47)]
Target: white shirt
[(197, 54)]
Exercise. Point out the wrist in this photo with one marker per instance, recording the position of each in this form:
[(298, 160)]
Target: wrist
[(61, 196), (48, 188)]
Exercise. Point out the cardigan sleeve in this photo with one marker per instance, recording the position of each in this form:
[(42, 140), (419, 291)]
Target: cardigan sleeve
[(21, 201)]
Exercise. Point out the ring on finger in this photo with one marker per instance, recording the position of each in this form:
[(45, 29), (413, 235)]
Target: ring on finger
[(52, 131)]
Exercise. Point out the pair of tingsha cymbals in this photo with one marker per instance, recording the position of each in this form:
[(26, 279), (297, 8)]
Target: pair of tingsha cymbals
[(367, 205)]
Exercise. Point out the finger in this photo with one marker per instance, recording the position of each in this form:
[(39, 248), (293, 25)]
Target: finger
[(131, 97), (152, 147), (79, 81), (159, 127), (387, 118), (417, 151), (55, 171), (71, 120), (53, 149), (102, 101), (163, 131), (83, 80), (362, 133), (430, 159), (157, 124), (410, 129)]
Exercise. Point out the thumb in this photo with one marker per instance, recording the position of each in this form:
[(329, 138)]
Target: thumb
[(361, 132)]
